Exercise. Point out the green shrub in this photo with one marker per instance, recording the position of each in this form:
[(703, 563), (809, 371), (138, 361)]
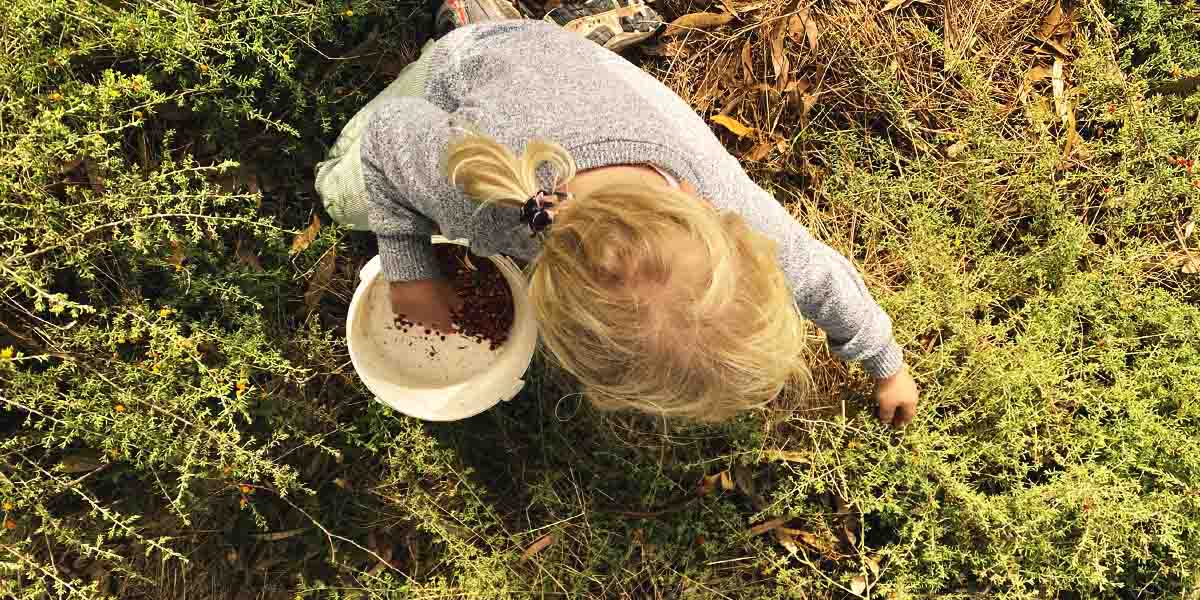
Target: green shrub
[(179, 417)]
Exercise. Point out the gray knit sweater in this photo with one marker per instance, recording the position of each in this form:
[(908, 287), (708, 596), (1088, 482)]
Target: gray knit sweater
[(523, 80)]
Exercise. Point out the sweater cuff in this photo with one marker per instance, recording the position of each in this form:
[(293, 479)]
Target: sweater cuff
[(886, 362), (407, 258)]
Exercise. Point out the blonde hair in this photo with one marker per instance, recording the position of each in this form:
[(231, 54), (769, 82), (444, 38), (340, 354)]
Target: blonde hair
[(647, 295)]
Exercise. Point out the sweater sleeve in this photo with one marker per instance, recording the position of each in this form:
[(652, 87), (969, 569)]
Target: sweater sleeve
[(400, 176), (830, 291)]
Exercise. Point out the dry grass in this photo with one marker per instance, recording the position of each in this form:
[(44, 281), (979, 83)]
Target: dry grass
[(909, 72)]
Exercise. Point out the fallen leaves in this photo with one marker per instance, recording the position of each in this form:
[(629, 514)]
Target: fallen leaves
[(803, 23), (734, 126), (305, 238), (541, 544), (858, 585), (893, 5), (700, 20)]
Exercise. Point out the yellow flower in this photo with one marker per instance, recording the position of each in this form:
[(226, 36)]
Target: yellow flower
[(7, 353), (165, 312), (203, 68), (242, 503), (8, 506), (245, 489), (349, 13), (241, 388), (119, 408), (55, 97)]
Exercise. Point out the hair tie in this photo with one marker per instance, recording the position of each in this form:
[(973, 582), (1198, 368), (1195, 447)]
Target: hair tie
[(536, 212)]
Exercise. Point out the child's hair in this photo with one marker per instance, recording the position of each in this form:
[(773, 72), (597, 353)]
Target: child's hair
[(647, 295)]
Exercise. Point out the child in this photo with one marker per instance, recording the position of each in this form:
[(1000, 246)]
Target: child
[(663, 278)]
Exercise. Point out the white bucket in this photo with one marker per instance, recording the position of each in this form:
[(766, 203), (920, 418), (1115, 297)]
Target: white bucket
[(425, 377)]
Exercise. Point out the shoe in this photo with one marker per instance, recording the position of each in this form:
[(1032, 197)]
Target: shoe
[(456, 13), (614, 24)]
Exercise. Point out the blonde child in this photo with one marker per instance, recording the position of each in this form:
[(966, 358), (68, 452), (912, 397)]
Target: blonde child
[(663, 278)]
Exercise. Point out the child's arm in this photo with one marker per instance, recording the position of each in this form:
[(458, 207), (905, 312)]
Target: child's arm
[(830, 291), (398, 181)]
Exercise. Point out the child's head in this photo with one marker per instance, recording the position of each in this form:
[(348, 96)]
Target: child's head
[(649, 296)]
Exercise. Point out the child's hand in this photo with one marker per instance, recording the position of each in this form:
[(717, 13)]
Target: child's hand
[(897, 397), (427, 302)]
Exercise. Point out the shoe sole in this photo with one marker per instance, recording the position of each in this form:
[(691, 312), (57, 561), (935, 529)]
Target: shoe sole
[(615, 29)]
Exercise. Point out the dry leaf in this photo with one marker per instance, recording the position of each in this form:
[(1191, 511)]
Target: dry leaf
[(803, 22), (956, 148), (1056, 45), (779, 59), (858, 585), (728, 6), (1188, 229), (538, 546), (1055, 23), (807, 103), (726, 481), (1191, 266), (734, 126), (708, 484), (759, 151), (762, 528), (700, 20), (320, 279), (306, 237), (246, 255), (893, 5), (1060, 87), (747, 63)]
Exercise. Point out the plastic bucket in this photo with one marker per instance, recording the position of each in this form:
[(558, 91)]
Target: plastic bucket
[(424, 376)]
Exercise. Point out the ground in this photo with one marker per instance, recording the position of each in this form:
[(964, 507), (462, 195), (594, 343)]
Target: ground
[(1015, 180)]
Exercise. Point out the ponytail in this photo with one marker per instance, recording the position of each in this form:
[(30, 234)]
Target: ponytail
[(492, 174)]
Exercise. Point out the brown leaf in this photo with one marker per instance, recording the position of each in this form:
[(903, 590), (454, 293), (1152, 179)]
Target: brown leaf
[(726, 481), (734, 126), (1189, 229), (728, 6), (1056, 46), (762, 528), (708, 484), (802, 22), (893, 5), (246, 255), (1191, 266), (319, 282), (1055, 23), (747, 63), (759, 151), (779, 59), (700, 20), (541, 544), (858, 585), (808, 100), (306, 237)]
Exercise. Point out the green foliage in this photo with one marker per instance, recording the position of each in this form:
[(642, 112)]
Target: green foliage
[(176, 419)]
